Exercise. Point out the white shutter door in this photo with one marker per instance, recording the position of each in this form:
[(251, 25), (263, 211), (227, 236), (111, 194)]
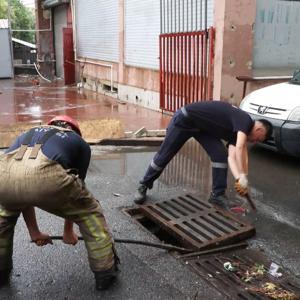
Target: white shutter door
[(142, 28), (97, 29)]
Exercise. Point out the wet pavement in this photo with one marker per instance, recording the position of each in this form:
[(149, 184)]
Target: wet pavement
[(62, 272), (22, 101)]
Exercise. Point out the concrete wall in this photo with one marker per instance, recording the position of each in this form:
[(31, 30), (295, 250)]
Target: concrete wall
[(234, 46), (234, 23)]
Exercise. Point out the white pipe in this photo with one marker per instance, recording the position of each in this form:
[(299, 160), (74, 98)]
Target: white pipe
[(23, 65), (40, 73), (84, 60)]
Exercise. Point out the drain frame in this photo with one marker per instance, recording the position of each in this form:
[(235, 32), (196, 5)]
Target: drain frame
[(147, 224)]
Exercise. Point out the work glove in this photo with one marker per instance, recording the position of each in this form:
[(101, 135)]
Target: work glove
[(241, 185)]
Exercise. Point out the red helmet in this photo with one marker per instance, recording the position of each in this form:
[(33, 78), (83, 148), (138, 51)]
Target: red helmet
[(72, 122)]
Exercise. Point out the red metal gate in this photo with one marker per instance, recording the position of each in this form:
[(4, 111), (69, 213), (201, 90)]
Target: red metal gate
[(69, 61), (186, 65)]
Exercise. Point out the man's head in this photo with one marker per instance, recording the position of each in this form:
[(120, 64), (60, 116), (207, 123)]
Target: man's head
[(65, 122), (261, 131)]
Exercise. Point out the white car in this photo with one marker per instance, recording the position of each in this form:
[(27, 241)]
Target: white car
[(279, 104)]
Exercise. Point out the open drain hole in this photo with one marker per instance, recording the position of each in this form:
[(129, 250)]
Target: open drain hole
[(153, 227)]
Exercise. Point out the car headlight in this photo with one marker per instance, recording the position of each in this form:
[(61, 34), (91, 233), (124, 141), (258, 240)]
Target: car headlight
[(295, 115)]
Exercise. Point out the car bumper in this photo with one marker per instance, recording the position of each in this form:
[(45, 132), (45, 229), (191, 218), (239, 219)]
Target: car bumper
[(285, 138)]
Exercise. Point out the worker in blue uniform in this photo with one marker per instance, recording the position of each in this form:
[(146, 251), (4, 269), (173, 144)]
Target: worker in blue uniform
[(46, 167), (210, 123)]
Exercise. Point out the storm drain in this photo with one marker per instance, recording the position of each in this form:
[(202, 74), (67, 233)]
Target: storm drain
[(197, 224), (248, 279)]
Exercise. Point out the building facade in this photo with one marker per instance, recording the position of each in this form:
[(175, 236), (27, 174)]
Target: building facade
[(116, 44)]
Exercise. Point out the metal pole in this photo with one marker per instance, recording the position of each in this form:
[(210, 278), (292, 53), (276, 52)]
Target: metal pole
[(161, 16), (196, 17), (201, 11), (205, 16), (183, 15), (138, 242), (187, 15), (192, 27), (175, 10), (179, 23), (168, 15), (171, 15)]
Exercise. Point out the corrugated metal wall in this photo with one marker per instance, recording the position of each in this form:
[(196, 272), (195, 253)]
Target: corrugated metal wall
[(277, 38), (186, 15), (6, 67), (142, 27), (97, 29)]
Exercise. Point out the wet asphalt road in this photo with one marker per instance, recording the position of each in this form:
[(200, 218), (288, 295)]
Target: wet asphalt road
[(62, 272)]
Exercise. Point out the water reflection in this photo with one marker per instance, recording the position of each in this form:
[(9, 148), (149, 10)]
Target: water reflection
[(189, 169), (19, 102)]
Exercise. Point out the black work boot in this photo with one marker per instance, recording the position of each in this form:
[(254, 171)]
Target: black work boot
[(4, 277), (140, 196), (105, 278), (220, 201)]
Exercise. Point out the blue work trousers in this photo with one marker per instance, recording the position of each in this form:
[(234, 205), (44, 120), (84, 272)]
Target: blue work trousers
[(178, 132)]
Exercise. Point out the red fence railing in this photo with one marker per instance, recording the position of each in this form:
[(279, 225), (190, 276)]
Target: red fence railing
[(186, 68)]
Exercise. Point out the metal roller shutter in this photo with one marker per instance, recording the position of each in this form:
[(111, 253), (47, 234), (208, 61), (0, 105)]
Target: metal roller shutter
[(97, 29)]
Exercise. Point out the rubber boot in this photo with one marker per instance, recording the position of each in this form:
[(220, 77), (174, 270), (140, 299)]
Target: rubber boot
[(104, 279), (140, 196), (220, 201)]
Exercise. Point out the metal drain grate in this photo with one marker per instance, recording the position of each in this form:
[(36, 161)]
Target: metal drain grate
[(233, 284), (196, 223)]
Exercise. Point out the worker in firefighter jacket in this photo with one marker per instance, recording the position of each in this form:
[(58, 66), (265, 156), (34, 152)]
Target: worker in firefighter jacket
[(46, 167), (210, 123)]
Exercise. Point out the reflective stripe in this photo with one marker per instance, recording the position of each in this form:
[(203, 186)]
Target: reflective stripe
[(219, 165), (183, 110), (155, 167)]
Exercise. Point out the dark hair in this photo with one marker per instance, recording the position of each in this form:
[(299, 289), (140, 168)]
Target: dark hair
[(62, 124), (268, 126)]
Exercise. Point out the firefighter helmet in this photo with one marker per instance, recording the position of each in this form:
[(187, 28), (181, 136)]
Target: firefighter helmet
[(70, 121)]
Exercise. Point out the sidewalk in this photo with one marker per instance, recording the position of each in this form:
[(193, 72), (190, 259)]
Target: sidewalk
[(22, 101)]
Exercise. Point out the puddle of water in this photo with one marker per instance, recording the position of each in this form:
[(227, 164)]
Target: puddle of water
[(189, 170)]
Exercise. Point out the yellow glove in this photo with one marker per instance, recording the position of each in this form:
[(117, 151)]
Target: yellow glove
[(241, 185)]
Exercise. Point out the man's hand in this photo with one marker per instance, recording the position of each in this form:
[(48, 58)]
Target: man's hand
[(241, 185), (41, 239), (70, 238)]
